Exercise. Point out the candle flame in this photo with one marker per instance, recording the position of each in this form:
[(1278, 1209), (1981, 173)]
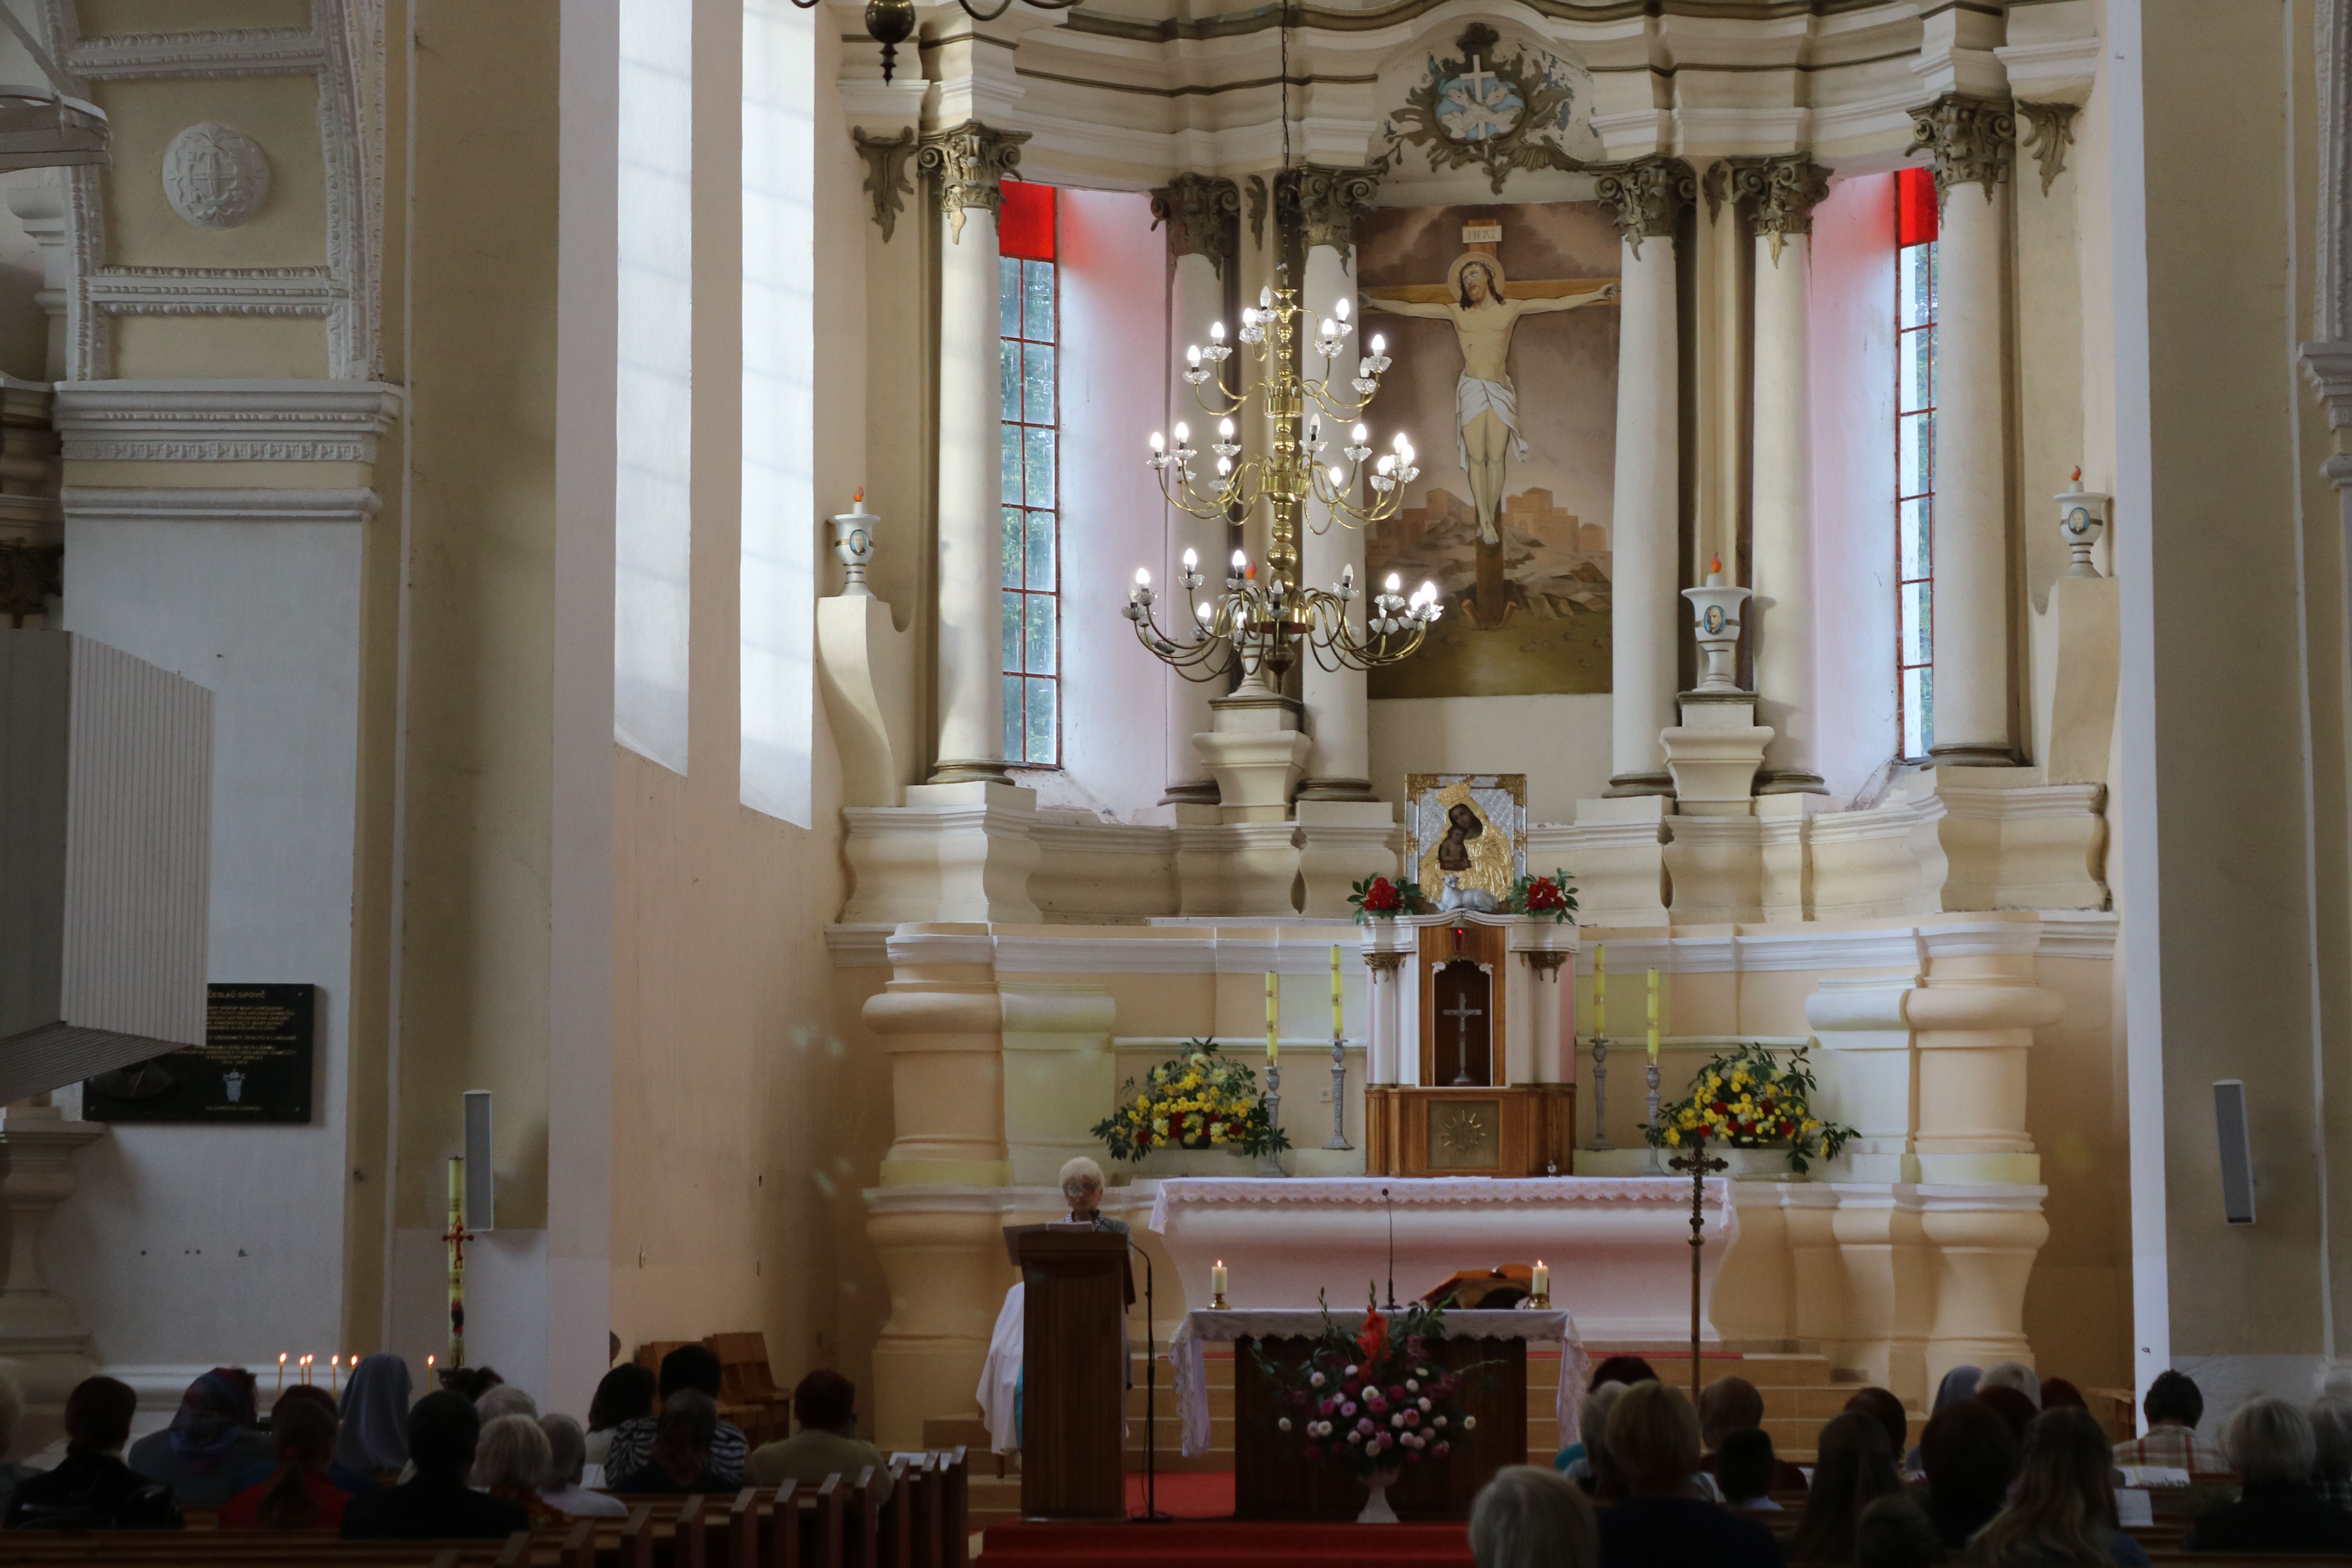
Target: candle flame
[(859, 499), (1714, 564), (2078, 474)]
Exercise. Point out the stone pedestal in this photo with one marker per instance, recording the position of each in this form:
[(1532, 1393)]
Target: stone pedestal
[(1616, 852), (1714, 754), (1341, 843), (42, 1336), (942, 1024), (953, 852), (1256, 752)]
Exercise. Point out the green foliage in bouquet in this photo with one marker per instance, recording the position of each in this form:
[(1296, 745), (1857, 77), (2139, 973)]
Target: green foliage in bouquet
[(1202, 1099), (1747, 1098)]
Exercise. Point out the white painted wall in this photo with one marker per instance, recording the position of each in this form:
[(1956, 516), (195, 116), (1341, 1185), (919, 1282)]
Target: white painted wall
[(1560, 742), (212, 1245), (1854, 480), (1114, 348)]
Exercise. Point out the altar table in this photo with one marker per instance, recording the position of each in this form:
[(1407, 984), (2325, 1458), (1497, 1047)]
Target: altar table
[(1273, 1482), (1619, 1247)]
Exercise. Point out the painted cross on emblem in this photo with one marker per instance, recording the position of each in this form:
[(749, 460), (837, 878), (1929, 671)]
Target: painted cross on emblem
[(1476, 105)]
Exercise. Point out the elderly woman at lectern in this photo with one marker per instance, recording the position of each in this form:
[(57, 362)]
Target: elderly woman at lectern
[(1000, 1375)]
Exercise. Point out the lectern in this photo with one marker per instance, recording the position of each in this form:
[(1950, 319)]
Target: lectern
[(1073, 1370)]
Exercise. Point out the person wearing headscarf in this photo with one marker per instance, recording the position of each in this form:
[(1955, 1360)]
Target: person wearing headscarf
[(210, 1443), (1959, 1384), (374, 1438)]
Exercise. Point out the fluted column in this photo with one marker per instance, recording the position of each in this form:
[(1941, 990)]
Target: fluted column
[(1648, 195), (1325, 203), (1974, 142), (1779, 194), (1203, 215), (965, 165)]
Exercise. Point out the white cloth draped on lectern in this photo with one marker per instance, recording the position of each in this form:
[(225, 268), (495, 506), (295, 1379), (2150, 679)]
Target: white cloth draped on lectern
[(1000, 1375)]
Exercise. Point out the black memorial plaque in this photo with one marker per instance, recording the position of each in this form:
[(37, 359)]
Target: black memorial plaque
[(254, 1066)]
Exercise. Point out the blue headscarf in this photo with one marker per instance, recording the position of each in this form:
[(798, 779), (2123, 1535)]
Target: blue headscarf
[(376, 1416), (214, 1412), (1959, 1384)]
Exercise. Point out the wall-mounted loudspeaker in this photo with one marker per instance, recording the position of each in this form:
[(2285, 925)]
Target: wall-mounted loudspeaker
[(481, 1200), (2237, 1151)]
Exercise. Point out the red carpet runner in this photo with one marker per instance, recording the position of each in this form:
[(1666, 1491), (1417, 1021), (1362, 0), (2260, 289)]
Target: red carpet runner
[(1205, 1541)]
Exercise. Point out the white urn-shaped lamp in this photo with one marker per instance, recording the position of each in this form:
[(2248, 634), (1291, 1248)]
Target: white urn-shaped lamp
[(852, 540), (1714, 622), (2081, 518)]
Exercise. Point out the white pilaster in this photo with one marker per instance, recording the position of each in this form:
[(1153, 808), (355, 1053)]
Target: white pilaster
[(1781, 509), (1647, 510), (1196, 299), (1338, 719), (965, 165), (1973, 142)]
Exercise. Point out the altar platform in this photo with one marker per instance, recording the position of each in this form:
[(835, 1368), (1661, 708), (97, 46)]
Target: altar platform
[(1619, 1246)]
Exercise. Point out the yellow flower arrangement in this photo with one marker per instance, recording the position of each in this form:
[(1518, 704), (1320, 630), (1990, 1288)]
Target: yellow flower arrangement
[(1747, 1098), (1202, 1099)]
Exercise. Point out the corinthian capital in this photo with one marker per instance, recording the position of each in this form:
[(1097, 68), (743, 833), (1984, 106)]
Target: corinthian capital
[(1780, 192), (1973, 140), (1325, 203), (1649, 194), (967, 165), (1204, 214)]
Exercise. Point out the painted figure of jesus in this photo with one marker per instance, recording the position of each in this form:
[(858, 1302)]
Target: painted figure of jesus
[(1485, 405)]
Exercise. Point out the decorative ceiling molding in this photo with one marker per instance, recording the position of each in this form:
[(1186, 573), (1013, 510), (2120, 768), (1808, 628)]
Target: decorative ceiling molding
[(88, 504), (258, 51), (344, 47), (223, 421)]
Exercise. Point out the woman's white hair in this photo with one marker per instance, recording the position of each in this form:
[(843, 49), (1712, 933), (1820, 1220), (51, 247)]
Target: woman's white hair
[(506, 1399), (1079, 1175), (2269, 1441), (2013, 1374), (513, 1452), (1531, 1518), (1592, 1418), (567, 1448)]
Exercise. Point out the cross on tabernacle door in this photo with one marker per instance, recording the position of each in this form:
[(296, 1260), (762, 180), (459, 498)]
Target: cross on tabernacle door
[(1461, 1013)]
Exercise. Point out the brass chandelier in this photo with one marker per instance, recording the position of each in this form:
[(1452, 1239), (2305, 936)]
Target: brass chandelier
[(1266, 616)]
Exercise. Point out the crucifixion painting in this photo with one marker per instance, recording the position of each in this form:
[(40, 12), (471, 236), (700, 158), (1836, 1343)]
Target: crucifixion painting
[(1497, 341), (1484, 311)]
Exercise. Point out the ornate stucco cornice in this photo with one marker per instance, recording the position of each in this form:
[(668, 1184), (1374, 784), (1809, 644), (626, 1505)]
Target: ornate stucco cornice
[(968, 165), (2050, 131), (1325, 203), (1781, 191), (1648, 195), (1204, 214), (1974, 140)]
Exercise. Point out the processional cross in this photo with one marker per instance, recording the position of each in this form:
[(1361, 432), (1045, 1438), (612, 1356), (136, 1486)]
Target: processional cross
[(1461, 1013), (1699, 1164)]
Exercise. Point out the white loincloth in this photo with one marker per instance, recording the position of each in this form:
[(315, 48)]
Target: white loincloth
[(1473, 398)]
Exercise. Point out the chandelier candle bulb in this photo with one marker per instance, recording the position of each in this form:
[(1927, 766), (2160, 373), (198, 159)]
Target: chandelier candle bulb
[(1216, 331), (1340, 308)]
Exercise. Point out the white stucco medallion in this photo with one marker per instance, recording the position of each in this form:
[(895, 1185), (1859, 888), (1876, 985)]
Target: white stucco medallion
[(214, 176)]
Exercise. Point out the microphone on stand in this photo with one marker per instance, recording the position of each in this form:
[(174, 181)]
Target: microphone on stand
[(1390, 1305), (1150, 1514)]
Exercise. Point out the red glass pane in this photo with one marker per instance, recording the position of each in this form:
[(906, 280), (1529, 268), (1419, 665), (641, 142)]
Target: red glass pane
[(1915, 206), (1026, 226)]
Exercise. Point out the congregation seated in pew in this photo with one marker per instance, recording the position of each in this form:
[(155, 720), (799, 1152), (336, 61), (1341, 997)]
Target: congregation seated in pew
[(1969, 1456), (1730, 1404), (91, 1487), (444, 1431), (681, 1460), (2062, 1508), (567, 1464), (1854, 1468), (1651, 1448), (299, 1494), (688, 1367), (828, 1443), (511, 1462), (625, 1395), (374, 1441), (1747, 1471), (338, 1474), (2268, 1442), (213, 1440), (1531, 1518)]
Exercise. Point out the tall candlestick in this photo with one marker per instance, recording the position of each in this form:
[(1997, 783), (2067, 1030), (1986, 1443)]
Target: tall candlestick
[(335, 1375), (456, 1238), (1600, 989), (1337, 1025), (281, 1372), (1272, 1012)]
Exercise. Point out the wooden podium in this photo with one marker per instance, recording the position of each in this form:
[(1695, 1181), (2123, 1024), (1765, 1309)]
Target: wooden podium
[(1073, 1370)]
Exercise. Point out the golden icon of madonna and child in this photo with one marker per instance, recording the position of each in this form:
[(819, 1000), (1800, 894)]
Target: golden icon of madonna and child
[(1466, 837)]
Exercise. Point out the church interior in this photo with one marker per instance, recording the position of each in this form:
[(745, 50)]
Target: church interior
[(687, 672)]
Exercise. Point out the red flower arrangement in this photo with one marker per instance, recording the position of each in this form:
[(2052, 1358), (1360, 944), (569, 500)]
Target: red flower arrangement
[(1377, 897)]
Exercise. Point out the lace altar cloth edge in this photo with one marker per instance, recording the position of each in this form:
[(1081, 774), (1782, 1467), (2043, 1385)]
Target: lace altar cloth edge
[(1531, 1191)]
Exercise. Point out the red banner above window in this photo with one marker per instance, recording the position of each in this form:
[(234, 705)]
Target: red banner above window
[(1025, 227), (1915, 206)]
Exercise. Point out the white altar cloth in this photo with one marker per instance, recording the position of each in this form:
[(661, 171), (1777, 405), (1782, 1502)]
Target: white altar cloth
[(1619, 1246), (1188, 1369)]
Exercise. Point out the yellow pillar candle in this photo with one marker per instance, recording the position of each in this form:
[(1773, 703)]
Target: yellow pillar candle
[(1338, 1017), (1273, 1011), (1600, 989), (1654, 1015)]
